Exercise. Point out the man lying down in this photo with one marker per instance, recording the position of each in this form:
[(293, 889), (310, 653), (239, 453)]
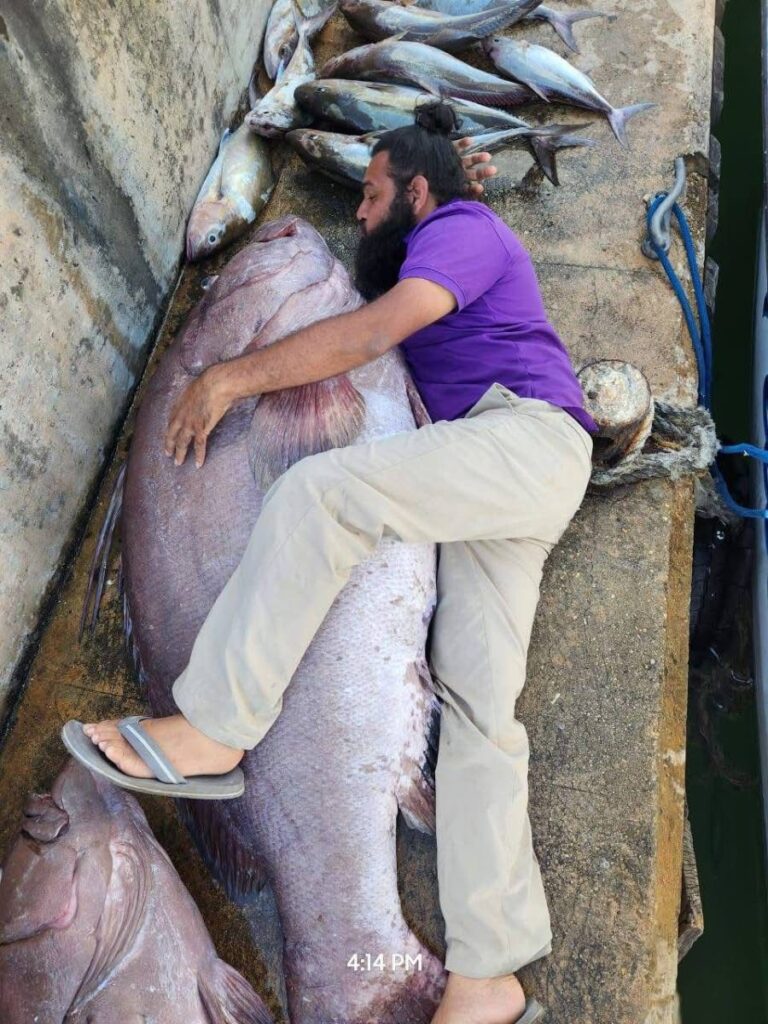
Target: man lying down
[(450, 283)]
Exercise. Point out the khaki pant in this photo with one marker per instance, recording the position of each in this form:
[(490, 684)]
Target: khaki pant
[(496, 489)]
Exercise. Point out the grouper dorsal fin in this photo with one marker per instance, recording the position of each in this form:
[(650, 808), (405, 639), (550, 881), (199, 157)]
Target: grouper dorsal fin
[(120, 923), (228, 998)]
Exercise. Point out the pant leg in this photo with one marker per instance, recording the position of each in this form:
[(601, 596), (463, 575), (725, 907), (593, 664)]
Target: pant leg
[(511, 468), (490, 886)]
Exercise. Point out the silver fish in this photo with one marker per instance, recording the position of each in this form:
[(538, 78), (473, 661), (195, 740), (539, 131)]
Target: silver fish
[(343, 158), (365, 107), (398, 61), (362, 107), (544, 142), (234, 192), (95, 924), (352, 741), (563, 21), (381, 19), (278, 112), (551, 77), (282, 35)]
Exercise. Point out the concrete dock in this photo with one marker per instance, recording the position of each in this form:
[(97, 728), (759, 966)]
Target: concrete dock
[(605, 701)]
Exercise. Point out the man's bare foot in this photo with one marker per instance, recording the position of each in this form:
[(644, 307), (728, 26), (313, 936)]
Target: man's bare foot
[(480, 1000), (190, 751)]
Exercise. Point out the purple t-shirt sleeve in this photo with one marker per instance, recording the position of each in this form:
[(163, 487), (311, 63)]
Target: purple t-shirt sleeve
[(460, 251)]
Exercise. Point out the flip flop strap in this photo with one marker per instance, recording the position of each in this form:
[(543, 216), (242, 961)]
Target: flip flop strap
[(148, 750)]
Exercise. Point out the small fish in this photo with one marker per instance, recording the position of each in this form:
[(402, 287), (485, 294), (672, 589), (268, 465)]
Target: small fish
[(343, 158), (563, 21), (398, 61), (95, 924), (281, 35), (551, 77), (381, 19), (362, 107), (545, 143), (365, 107), (278, 112), (235, 190)]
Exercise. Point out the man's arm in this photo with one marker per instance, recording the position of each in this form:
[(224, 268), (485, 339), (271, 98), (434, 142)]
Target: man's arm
[(324, 349)]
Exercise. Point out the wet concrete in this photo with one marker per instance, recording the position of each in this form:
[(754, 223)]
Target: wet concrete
[(606, 693)]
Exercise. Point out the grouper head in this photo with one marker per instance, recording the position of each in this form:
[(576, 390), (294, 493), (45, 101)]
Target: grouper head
[(57, 880)]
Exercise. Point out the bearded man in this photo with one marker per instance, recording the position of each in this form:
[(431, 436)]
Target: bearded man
[(494, 480)]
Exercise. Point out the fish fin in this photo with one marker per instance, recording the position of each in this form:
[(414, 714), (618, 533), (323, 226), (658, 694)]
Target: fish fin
[(546, 146), (223, 847), (228, 998), (563, 23), (120, 923), (416, 798), (290, 424), (97, 570), (308, 26), (618, 117)]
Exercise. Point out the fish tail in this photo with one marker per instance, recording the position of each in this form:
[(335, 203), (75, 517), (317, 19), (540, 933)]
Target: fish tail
[(228, 998), (97, 570), (309, 25), (546, 146), (618, 117), (563, 24), (287, 425)]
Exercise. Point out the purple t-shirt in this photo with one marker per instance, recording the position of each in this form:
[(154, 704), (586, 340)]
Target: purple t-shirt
[(499, 331)]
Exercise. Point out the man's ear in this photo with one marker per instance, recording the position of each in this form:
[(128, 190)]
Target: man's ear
[(419, 193)]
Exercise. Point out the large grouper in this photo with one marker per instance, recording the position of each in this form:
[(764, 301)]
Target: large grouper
[(96, 927), (356, 737)]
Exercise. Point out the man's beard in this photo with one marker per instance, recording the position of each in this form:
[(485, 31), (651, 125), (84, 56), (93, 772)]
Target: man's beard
[(380, 252)]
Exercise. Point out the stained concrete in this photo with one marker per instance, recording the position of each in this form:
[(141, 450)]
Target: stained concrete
[(605, 699), (111, 114)]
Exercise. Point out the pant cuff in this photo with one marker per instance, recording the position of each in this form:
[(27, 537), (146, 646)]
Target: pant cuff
[(472, 966), (201, 720)]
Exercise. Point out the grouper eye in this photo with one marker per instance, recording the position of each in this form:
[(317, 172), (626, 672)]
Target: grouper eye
[(212, 238)]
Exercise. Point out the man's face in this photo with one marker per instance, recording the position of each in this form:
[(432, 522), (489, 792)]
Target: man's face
[(385, 217)]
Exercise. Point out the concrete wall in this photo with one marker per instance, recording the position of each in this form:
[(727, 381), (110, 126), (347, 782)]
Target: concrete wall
[(110, 116)]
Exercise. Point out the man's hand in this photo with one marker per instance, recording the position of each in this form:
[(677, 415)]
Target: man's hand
[(475, 167), (199, 408)]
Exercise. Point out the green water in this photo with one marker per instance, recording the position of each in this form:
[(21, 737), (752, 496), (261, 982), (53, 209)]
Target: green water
[(724, 978)]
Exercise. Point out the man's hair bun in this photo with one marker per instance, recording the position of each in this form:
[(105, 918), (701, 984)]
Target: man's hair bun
[(437, 117)]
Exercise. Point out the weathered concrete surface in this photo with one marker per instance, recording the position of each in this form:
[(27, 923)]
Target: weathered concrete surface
[(111, 115), (605, 698)]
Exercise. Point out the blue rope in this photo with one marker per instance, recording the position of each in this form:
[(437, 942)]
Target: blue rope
[(701, 338)]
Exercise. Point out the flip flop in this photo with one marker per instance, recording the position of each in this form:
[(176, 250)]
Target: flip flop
[(167, 781), (533, 1011)]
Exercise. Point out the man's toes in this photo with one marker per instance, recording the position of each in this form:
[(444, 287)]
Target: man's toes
[(124, 757)]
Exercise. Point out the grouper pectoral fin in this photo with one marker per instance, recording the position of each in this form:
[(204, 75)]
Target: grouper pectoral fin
[(289, 424), (228, 998), (121, 919)]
